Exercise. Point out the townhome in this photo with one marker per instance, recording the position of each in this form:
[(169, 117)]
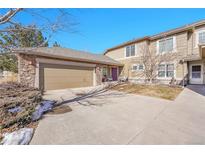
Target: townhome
[(186, 43), (176, 56)]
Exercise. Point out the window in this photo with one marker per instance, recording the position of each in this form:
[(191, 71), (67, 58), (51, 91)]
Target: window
[(201, 37), (104, 71), (137, 67), (170, 70), (166, 70), (161, 70), (130, 51), (166, 45), (141, 67), (196, 71)]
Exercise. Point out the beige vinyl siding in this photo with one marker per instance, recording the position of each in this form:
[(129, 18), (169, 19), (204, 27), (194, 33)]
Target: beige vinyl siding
[(153, 46), (192, 46), (181, 71), (181, 44), (61, 76), (117, 53), (127, 69)]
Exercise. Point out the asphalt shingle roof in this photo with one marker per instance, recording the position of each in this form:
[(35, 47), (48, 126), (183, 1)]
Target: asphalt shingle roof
[(70, 54)]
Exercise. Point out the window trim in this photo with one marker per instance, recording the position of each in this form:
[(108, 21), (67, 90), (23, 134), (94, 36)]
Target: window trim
[(174, 45), (125, 51), (169, 63), (197, 37)]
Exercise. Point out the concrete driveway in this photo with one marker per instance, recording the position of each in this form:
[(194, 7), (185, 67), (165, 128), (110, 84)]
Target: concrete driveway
[(117, 118)]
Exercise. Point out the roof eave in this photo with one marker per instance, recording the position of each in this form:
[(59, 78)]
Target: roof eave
[(66, 58)]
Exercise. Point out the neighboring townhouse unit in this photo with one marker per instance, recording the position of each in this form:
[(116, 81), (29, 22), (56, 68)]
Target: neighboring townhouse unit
[(184, 45)]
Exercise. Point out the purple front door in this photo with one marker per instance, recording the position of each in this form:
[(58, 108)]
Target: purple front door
[(114, 74)]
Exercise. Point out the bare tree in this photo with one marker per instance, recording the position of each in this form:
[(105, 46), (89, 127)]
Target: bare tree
[(151, 59)]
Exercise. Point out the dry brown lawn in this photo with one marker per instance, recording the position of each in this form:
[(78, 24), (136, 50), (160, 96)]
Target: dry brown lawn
[(160, 91)]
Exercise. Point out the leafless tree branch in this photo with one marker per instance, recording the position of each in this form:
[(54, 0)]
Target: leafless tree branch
[(62, 22), (10, 14)]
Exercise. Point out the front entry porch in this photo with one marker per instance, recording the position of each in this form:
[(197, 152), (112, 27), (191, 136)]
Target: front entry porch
[(110, 73)]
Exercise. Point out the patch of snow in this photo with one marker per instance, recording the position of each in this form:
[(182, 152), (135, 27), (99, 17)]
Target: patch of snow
[(20, 137)]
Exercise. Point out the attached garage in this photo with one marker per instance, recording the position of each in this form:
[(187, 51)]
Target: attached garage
[(63, 76), (61, 68)]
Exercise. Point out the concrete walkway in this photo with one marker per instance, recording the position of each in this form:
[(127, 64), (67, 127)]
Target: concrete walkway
[(182, 122), (118, 118)]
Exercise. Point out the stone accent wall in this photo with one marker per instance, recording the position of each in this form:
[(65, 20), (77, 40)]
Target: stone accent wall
[(98, 71), (27, 70)]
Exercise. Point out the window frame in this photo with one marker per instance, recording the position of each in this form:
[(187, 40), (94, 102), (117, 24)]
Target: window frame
[(166, 51), (130, 52), (161, 71), (137, 66), (166, 71), (197, 37)]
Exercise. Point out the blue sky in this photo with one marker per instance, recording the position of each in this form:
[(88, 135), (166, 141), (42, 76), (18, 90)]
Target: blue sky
[(99, 29)]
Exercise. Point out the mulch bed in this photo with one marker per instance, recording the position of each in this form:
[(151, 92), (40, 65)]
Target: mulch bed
[(14, 95)]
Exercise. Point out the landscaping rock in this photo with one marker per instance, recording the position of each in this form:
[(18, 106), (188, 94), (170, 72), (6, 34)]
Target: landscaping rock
[(20, 137)]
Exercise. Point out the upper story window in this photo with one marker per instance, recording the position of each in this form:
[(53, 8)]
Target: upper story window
[(201, 37), (138, 67), (166, 45), (130, 51)]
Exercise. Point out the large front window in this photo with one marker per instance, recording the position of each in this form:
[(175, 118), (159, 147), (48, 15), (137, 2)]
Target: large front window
[(166, 70), (130, 51), (166, 45)]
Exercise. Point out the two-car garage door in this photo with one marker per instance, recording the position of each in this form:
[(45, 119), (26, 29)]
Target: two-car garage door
[(54, 76)]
